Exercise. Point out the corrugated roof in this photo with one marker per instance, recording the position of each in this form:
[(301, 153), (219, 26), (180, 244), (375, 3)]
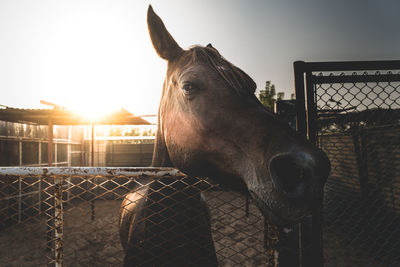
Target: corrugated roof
[(67, 117)]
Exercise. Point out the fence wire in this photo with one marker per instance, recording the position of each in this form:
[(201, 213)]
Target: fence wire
[(73, 218), (358, 126)]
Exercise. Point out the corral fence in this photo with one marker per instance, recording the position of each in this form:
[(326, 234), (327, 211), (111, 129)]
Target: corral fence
[(351, 110), (69, 216), (136, 153)]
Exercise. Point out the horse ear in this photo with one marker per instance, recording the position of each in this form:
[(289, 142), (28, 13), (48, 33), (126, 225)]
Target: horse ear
[(212, 47), (163, 43)]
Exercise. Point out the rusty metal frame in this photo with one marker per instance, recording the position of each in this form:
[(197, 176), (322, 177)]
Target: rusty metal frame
[(87, 171)]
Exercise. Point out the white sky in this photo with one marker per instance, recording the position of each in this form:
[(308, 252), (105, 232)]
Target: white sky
[(97, 54)]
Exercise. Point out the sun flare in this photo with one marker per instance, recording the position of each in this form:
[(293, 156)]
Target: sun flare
[(94, 112)]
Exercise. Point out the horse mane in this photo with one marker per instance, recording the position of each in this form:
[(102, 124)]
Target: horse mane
[(235, 77)]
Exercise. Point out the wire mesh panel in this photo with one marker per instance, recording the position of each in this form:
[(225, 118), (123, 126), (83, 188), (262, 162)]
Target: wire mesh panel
[(355, 118), (70, 216)]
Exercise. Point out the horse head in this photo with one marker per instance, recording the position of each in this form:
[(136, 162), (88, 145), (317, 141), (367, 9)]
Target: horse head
[(211, 124)]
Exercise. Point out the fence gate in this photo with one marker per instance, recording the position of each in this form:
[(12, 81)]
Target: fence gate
[(351, 110)]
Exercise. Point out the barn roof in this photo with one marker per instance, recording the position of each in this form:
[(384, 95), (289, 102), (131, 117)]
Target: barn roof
[(62, 116)]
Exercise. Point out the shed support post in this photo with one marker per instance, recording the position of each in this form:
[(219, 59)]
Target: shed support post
[(92, 146), (50, 145), (92, 208), (20, 152)]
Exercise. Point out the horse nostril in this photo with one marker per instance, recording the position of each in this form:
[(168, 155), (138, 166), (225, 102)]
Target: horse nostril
[(288, 175)]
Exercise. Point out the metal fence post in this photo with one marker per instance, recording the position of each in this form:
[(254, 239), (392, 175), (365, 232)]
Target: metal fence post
[(317, 220), (300, 97), (58, 222), (306, 124), (19, 198), (271, 241), (301, 127), (311, 109)]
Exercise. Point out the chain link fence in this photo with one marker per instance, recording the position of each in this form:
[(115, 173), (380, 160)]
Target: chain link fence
[(70, 216), (354, 116)]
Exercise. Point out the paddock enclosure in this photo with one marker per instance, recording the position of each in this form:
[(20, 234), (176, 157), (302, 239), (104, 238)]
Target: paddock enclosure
[(351, 110), (69, 216)]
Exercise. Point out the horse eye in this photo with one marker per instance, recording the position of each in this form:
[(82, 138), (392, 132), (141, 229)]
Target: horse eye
[(189, 88)]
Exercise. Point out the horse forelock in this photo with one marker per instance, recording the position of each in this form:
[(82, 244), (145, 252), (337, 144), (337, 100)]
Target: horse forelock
[(235, 77)]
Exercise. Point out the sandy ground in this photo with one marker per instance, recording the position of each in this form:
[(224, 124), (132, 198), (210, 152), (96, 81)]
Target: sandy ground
[(238, 239)]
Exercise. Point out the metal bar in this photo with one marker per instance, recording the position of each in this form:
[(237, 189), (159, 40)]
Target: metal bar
[(83, 152), (69, 146), (44, 164), (301, 121), (19, 153), (316, 231), (39, 153), (300, 97), (311, 109), (87, 171), (271, 241), (40, 195), (58, 223), (352, 65), (20, 195), (108, 138), (19, 198), (38, 140), (49, 191), (130, 153), (355, 78), (92, 146), (69, 160), (50, 145), (55, 154)]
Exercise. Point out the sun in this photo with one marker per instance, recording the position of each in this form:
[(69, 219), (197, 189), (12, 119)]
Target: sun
[(92, 112)]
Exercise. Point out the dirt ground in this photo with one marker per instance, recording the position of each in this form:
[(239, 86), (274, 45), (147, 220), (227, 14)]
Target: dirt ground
[(238, 239)]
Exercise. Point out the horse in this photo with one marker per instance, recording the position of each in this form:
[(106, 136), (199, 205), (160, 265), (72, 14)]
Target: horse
[(211, 124)]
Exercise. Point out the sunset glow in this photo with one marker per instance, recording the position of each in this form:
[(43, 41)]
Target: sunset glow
[(92, 113), (90, 55)]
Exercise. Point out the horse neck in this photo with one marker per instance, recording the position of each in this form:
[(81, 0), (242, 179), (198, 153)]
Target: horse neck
[(160, 154)]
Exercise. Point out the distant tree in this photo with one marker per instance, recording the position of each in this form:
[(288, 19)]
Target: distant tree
[(115, 132), (133, 132), (136, 131), (149, 132), (268, 96)]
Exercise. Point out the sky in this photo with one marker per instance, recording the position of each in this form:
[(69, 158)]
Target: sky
[(97, 55)]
